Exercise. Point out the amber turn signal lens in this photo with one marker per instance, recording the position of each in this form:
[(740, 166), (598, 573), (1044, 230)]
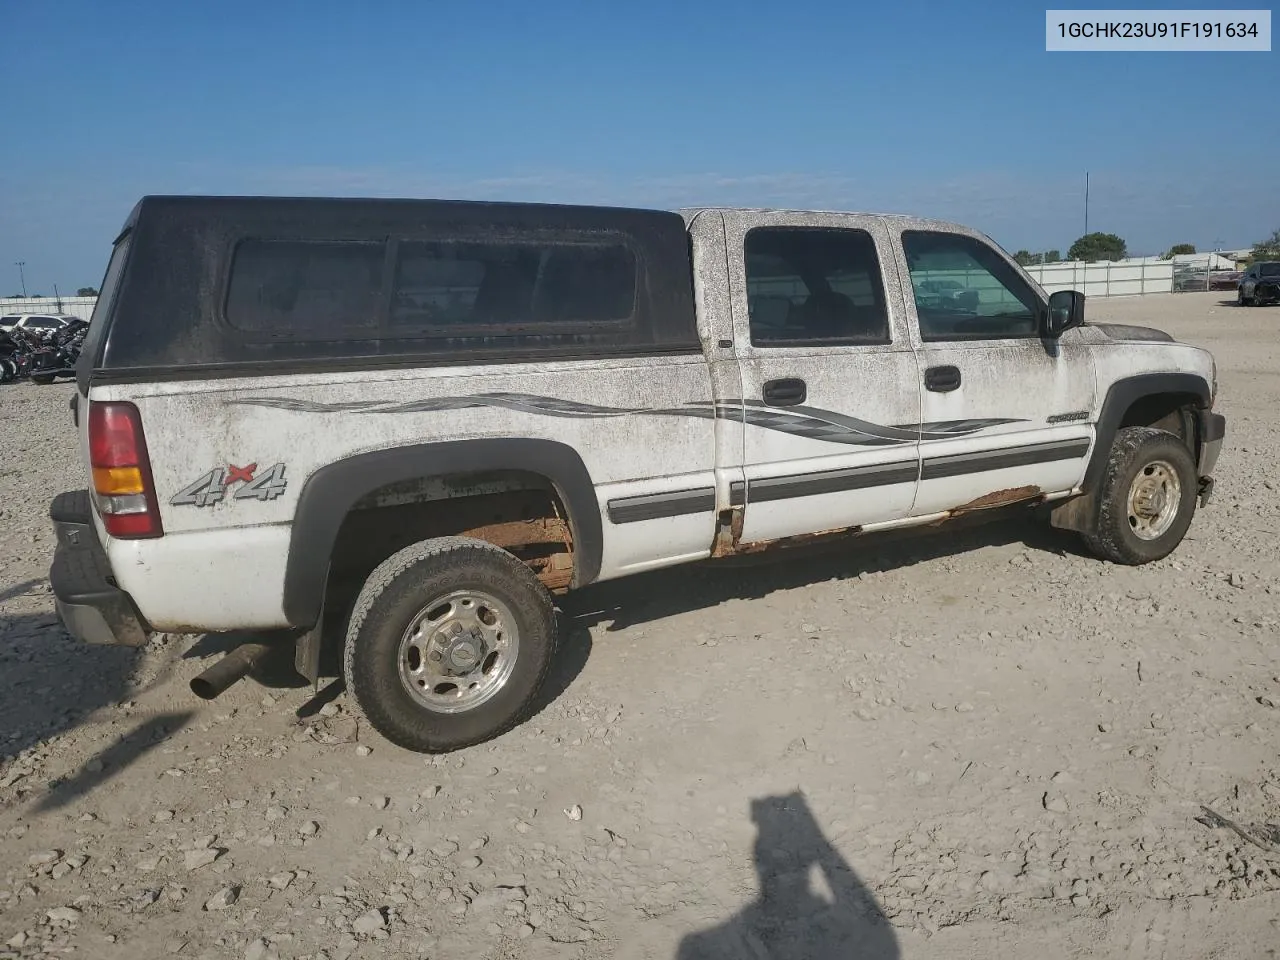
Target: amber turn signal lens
[(117, 481)]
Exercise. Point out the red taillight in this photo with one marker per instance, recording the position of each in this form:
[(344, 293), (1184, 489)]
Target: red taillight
[(123, 489)]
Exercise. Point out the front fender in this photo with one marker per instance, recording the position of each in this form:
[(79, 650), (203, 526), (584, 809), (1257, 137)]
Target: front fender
[(1080, 513)]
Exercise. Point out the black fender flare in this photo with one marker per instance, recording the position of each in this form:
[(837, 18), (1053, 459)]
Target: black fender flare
[(330, 493), (1078, 512), (1123, 394)]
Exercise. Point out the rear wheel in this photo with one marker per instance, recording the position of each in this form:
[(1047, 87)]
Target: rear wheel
[(448, 644), (1147, 498)]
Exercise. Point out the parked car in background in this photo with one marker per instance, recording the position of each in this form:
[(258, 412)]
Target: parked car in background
[(946, 293), (1225, 279), (1260, 284), (37, 321), (1189, 279)]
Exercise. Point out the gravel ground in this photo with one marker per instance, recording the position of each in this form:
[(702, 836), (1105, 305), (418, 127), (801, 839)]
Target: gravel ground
[(979, 743)]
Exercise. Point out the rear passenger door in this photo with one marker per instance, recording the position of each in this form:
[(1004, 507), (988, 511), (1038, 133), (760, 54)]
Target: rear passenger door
[(830, 389), (1006, 415)]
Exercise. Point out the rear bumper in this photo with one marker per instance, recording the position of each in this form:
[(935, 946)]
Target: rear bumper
[(89, 604)]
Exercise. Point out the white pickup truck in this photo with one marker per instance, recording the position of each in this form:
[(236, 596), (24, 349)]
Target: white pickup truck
[(421, 419)]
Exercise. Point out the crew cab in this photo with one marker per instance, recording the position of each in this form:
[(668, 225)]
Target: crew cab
[(424, 419)]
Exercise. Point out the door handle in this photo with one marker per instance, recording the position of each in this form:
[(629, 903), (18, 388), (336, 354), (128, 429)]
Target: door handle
[(942, 379), (785, 392)]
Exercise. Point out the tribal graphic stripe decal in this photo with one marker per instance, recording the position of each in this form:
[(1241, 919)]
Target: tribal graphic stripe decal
[(801, 421)]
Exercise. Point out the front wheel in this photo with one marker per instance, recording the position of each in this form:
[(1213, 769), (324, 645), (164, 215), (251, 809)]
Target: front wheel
[(448, 644), (1147, 498)]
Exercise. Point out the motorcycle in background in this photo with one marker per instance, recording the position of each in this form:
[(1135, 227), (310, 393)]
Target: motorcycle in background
[(55, 353), (41, 355), (15, 356)]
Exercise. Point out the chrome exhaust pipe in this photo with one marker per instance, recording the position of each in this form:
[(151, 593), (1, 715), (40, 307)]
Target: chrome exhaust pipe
[(234, 666)]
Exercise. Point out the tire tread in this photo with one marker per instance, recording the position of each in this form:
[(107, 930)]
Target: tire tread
[(384, 575), (1106, 540)]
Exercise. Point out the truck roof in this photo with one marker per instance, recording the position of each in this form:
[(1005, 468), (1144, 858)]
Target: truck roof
[(212, 202), (903, 219)]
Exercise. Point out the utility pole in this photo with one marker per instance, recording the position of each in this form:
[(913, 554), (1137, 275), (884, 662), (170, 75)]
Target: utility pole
[(1086, 203), (22, 276)]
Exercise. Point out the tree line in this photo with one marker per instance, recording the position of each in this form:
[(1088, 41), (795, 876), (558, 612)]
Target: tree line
[(81, 292), (1093, 247)]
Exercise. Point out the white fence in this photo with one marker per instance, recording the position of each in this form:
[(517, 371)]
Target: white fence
[(1105, 279), (81, 307)]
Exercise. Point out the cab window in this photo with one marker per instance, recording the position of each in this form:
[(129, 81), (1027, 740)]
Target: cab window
[(811, 286), (964, 290)]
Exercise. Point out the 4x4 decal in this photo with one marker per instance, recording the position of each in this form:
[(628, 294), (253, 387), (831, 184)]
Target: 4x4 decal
[(211, 488)]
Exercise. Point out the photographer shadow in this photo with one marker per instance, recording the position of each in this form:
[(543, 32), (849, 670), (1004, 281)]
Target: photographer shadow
[(812, 906)]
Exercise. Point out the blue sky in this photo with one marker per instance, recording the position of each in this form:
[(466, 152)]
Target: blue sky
[(945, 109)]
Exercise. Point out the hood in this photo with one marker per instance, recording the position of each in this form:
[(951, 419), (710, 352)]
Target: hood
[(1124, 331)]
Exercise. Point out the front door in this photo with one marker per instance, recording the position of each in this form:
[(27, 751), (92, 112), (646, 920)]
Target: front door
[(831, 390), (1006, 414)]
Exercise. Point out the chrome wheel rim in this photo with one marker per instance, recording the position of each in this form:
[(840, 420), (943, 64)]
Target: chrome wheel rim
[(1154, 498), (458, 651)]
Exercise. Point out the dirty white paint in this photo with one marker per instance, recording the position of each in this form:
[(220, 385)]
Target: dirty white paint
[(222, 566)]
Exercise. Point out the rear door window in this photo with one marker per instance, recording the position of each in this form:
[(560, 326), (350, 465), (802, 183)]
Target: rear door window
[(811, 286)]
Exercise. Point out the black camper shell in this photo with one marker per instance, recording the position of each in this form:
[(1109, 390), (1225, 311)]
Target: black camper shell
[(239, 286)]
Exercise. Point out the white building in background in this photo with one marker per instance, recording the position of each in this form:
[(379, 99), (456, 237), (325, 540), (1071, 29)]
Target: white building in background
[(1211, 261)]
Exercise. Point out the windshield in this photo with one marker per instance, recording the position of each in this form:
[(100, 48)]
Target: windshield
[(1269, 270)]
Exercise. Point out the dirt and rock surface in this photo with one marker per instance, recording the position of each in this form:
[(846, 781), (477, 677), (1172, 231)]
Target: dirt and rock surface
[(979, 743)]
